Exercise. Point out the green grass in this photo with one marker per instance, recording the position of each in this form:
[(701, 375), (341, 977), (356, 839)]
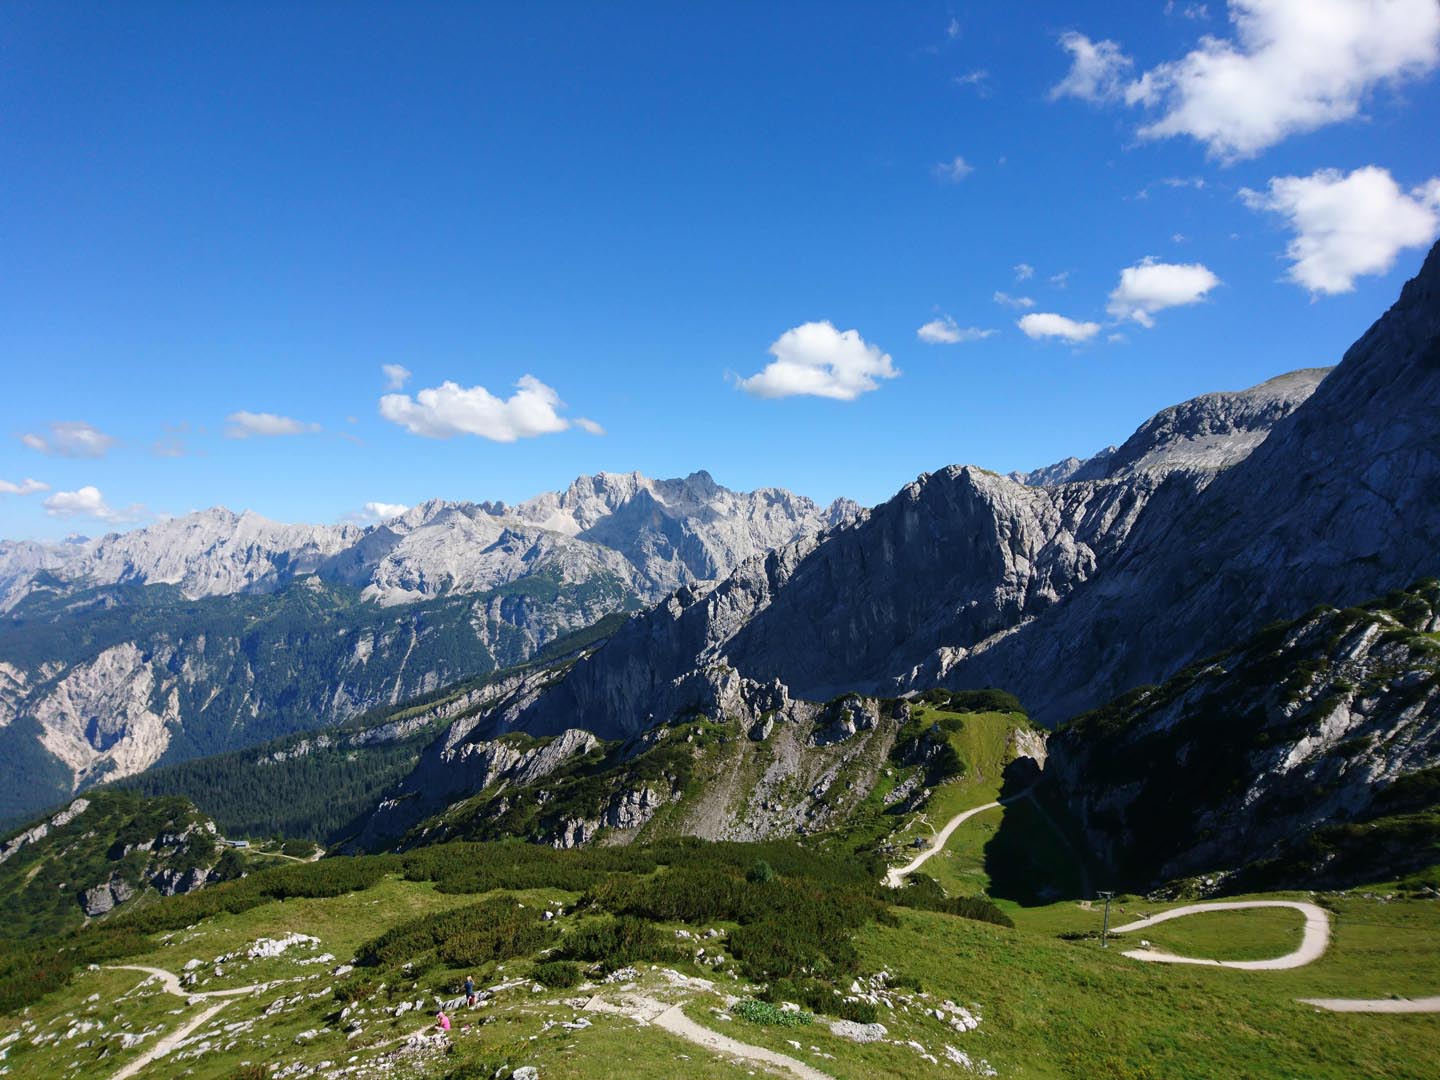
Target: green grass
[(1252, 934)]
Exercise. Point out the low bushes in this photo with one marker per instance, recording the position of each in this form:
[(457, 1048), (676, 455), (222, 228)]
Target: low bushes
[(620, 942), (469, 936), (556, 974)]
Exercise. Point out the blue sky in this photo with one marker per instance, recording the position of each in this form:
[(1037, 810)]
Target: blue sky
[(223, 220)]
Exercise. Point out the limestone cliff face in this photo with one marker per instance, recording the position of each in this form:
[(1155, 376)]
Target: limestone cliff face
[(110, 667), (1216, 517), (954, 563), (1339, 503), (649, 535)]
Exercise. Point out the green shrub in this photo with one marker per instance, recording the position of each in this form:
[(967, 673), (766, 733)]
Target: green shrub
[(762, 1012), (619, 942), (760, 871), (556, 974), (470, 936)]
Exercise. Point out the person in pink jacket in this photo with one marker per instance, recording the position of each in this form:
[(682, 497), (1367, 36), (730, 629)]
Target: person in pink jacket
[(442, 1021)]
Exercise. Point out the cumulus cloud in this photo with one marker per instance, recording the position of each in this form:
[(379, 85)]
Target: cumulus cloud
[(816, 359), (24, 487), (946, 331), (589, 426), (450, 409), (383, 511), (88, 502), (1151, 286), (1097, 70), (72, 439), (1293, 66), (396, 375), (243, 425), (1346, 226), (1024, 271), (1013, 301), (955, 170), (1048, 325)]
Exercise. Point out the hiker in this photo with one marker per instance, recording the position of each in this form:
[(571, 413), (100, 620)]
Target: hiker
[(442, 1021), (469, 992)]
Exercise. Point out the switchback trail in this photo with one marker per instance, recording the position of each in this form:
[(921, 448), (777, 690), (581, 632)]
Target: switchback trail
[(1312, 945)]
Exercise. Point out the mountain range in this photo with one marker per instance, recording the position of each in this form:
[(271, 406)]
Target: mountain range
[(218, 630)]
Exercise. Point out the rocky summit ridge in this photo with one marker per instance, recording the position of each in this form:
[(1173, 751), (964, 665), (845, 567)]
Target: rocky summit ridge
[(653, 535), (1217, 516)]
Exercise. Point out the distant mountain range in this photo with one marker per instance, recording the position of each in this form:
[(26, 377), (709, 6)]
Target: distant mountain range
[(219, 630)]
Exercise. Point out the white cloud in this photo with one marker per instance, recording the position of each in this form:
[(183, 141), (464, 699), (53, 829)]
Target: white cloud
[(383, 511), (1024, 271), (946, 331), (1013, 301), (955, 170), (816, 359), (396, 375), (88, 502), (25, 487), (979, 79), (1151, 286), (1346, 226), (245, 424), (1097, 70), (1294, 66), (1047, 325), (952, 30), (72, 439), (1187, 11), (1061, 279), (450, 409), (589, 426)]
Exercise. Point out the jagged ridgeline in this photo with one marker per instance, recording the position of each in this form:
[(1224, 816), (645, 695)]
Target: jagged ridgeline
[(217, 630), (1307, 756)]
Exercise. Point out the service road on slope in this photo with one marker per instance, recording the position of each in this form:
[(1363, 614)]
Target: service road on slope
[(1312, 945)]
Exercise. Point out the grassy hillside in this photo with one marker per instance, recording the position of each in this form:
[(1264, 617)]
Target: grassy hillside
[(1039, 999)]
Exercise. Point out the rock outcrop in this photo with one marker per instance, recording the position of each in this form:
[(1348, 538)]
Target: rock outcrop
[(1261, 757)]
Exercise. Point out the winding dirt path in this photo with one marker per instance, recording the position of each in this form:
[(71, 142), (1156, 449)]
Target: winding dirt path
[(165, 1045), (895, 876), (1375, 1005), (671, 1018), (1312, 945), (171, 982)]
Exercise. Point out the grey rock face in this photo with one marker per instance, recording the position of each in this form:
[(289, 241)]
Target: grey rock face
[(1202, 528), (651, 534), (1339, 503), (1239, 760), (606, 544)]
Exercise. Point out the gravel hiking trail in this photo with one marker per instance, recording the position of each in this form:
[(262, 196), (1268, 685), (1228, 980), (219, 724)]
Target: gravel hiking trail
[(1375, 1005), (895, 877), (171, 983), (1312, 945), (670, 1018), (165, 1045)]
